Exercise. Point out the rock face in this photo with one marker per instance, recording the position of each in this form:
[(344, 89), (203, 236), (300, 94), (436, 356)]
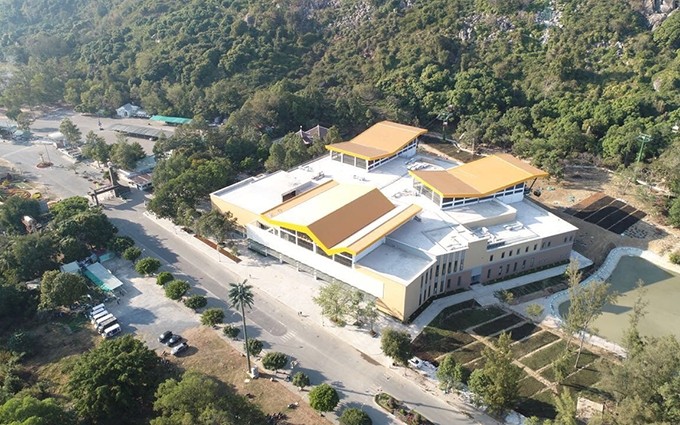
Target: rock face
[(656, 11)]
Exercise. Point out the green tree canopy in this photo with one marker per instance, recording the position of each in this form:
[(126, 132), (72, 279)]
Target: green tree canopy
[(396, 344), (96, 148), (334, 300), (199, 399), (70, 131), (28, 257), (120, 375), (496, 385), (69, 207), (195, 302), (13, 210), (59, 289), (354, 416), (147, 266), (449, 373), (212, 317), (323, 398), (301, 380), (125, 155), (28, 410), (216, 225), (274, 360), (176, 289), (91, 227)]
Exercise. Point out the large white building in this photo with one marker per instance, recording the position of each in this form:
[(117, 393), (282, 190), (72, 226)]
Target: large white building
[(402, 226)]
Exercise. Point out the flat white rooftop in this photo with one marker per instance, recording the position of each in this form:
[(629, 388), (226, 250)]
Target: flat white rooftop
[(398, 264)]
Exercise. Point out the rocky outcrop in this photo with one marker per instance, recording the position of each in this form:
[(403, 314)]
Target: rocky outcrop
[(656, 11)]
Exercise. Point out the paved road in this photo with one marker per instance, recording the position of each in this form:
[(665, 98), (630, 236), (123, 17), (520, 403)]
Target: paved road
[(321, 355)]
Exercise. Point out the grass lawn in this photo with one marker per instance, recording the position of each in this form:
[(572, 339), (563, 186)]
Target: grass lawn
[(540, 339), (529, 386), (545, 356), (537, 286), (521, 332), (583, 379), (465, 319), (468, 353), (498, 325), (540, 404), (433, 343)]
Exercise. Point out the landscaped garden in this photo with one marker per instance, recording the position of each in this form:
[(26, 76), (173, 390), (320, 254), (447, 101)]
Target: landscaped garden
[(398, 409), (464, 330)]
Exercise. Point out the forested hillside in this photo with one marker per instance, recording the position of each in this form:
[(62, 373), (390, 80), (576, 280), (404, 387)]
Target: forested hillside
[(547, 79)]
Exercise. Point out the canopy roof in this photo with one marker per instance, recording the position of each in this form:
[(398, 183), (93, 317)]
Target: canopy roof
[(384, 139), (478, 178), (170, 120), (341, 217)]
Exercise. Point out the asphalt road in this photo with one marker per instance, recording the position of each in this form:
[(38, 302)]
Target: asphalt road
[(323, 356)]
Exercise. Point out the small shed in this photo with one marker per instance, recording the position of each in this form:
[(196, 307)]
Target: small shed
[(129, 110), (171, 120), (72, 267)]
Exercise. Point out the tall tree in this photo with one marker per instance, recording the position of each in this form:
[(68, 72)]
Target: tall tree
[(496, 385), (565, 405), (449, 373), (241, 296), (70, 131), (323, 398), (396, 345), (200, 399), (96, 148), (120, 375), (216, 225), (125, 154), (67, 208), (13, 210), (586, 302), (28, 410), (334, 300), (59, 289)]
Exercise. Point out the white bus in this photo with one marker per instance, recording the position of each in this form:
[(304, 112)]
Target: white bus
[(98, 315), (96, 308), (102, 319), (106, 324), (111, 331)]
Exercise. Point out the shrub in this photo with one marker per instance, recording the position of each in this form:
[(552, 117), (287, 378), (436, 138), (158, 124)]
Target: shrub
[(147, 266), (121, 243), (176, 289), (212, 316), (274, 361), (301, 380), (21, 343), (195, 302), (132, 253), (354, 416), (675, 257), (254, 346), (323, 398), (231, 331), (163, 278)]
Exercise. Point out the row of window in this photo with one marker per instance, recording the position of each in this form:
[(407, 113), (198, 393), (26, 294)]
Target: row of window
[(455, 202), (507, 268), (303, 240), (544, 245), (372, 164)]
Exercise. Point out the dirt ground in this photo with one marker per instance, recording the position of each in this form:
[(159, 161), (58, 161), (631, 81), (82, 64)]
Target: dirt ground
[(594, 242), (216, 358)]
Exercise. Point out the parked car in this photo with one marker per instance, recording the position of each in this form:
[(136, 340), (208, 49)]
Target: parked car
[(180, 348), (174, 339), (164, 337)]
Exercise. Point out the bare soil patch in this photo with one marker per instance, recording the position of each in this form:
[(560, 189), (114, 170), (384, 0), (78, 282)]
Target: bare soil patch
[(212, 355)]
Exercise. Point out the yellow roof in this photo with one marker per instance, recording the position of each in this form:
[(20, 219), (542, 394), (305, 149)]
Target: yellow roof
[(383, 139), (479, 178), (332, 213)]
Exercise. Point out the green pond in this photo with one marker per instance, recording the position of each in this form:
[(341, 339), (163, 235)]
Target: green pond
[(663, 298)]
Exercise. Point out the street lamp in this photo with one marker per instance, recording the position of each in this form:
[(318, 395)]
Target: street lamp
[(644, 139)]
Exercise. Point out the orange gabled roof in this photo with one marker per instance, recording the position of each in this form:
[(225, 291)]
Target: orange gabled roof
[(383, 139), (479, 178), (332, 215)]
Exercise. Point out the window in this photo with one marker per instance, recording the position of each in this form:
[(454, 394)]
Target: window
[(507, 268), (526, 249), (448, 284), (488, 274), (500, 270), (491, 258), (571, 238), (502, 254), (524, 264), (549, 244), (517, 251), (436, 272), (449, 268), (514, 268), (510, 253), (535, 246), (565, 239), (458, 281)]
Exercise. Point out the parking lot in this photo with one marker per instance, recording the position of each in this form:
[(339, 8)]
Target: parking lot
[(143, 309)]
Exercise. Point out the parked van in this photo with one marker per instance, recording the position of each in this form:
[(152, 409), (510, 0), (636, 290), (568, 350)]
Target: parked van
[(107, 324), (102, 319), (96, 308), (111, 331), (98, 315)]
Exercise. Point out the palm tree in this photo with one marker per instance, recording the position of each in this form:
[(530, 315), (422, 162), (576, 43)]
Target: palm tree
[(241, 296)]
